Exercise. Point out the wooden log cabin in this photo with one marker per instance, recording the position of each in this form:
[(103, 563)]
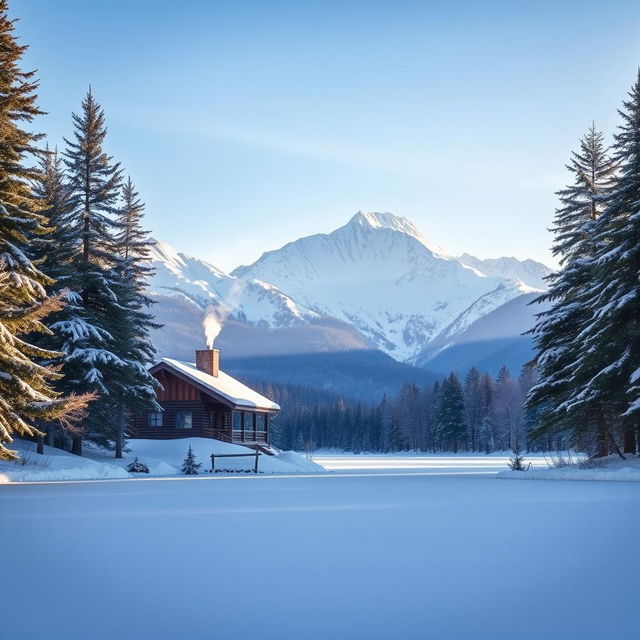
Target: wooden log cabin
[(200, 400)]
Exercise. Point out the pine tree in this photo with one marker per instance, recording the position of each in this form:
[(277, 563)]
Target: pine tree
[(487, 437), (131, 321), (91, 362), (190, 466), (473, 402), (451, 412), (26, 394), (516, 461), (54, 252), (557, 334), (609, 362)]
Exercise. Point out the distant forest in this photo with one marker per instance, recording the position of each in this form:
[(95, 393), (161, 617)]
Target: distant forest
[(480, 413)]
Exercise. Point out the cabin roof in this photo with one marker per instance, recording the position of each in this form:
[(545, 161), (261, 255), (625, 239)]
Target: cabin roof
[(222, 385)]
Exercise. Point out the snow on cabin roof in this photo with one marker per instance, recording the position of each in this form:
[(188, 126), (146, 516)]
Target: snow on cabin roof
[(224, 385)]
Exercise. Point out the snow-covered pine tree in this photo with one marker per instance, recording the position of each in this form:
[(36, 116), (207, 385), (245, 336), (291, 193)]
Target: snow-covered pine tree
[(487, 429), (131, 321), (474, 407), (26, 394), (54, 252), (556, 335), (450, 423), (91, 362), (609, 361), (190, 466), (516, 461)]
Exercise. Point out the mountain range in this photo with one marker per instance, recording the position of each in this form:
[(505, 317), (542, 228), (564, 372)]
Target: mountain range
[(376, 286)]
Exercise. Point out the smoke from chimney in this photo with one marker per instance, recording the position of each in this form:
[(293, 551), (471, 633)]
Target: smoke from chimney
[(214, 317)]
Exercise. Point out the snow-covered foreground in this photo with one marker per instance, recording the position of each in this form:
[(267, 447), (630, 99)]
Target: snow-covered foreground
[(612, 469), (609, 469), (162, 457), (412, 463), (373, 556)]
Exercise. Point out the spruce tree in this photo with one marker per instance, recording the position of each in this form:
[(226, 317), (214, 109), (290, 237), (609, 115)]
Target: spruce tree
[(131, 321), (557, 333), (609, 361), (91, 362), (516, 461), (473, 401), (26, 394), (190, 466), (450, 425), (54, 252)]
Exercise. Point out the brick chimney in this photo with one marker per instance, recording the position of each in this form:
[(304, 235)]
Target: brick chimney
[(208, 360)]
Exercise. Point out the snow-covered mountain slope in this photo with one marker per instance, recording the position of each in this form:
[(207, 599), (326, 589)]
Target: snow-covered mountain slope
[(529, 272), (382, 276), (376, 282), (493, 340), (247, 299), (257, 319)]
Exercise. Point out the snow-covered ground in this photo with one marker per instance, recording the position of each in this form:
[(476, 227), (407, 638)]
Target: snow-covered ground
[(163, 457), (338, 555), (496, 464), (612, 468), (448, 463)]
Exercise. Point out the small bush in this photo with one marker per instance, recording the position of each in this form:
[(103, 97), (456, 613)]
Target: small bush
[(516, 461), (591, 463), (137, 467)]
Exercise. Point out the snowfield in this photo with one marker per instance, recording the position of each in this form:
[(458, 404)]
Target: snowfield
[(329, 556), (441, 463), (163, 457), (612, 469)]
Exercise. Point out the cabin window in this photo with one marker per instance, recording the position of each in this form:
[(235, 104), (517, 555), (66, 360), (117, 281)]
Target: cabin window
[(184, 419), (155, 418), (237, 421), (261, 422), (248, 424)]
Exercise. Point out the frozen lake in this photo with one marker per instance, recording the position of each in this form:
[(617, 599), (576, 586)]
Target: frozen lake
[(432, 464), (373, 554)]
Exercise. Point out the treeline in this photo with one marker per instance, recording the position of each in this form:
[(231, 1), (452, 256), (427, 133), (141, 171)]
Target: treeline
[(480, 413), (74, 316), (588, 342)]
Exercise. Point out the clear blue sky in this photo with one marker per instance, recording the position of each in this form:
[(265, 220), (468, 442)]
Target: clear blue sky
[(248, 124)]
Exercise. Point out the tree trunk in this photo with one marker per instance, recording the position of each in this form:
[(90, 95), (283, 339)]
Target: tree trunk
[(615, 445), (120, 434), (629, 441), (602, 450), (62, 440), (76, 445), (40, 445)]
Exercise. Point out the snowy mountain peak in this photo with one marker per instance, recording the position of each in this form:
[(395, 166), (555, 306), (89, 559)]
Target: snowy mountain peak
[(377, 274), (377, 220)]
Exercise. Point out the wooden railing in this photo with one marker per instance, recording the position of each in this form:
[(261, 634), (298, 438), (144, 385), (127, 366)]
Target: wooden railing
[(256, 455), (238, 435)]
